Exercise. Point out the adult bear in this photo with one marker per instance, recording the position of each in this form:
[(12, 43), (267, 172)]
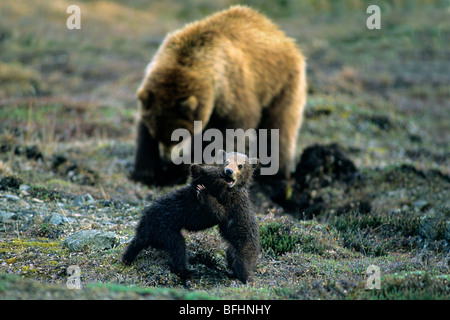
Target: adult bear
[(234, 69)]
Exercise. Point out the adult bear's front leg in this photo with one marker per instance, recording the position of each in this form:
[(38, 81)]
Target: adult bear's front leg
[(147, 158), (148, 166)]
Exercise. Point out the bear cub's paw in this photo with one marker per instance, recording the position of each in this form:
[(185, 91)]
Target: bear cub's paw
[(201, 192)]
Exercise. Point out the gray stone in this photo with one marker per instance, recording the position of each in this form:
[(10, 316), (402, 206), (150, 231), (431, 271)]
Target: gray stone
[(95, 240), (11, 197), (34, 221), (419, 205), (4, 216), (24, 187), (83, 200), (56, 219)]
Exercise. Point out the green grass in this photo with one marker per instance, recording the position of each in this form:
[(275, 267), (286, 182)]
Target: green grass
[(409, 286), (160, 293)]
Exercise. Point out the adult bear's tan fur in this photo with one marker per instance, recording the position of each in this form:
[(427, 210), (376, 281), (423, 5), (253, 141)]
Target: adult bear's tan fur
[(234, 69)]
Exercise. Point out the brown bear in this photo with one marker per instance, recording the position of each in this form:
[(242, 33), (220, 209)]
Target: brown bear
[(232, 70), (211, 198)]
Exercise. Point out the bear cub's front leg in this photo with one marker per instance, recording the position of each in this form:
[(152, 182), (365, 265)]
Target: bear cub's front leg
[(210, 203)]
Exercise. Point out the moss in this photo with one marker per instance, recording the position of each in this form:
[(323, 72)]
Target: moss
[(28, 269), (18, 245), (22, 243), (11, 260)]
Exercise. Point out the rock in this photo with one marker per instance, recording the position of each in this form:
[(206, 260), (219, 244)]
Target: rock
[(91, 240), (19, 202), (24, 187), (56, 219), (11, 197), (83, 200), (34, 221), (420, 205), (4, 216)]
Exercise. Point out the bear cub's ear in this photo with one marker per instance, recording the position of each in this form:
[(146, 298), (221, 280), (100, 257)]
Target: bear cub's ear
[(195, 169), (256, 164), (221, 156)]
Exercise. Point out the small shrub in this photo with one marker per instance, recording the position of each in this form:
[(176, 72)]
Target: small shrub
[(357, 232), (277, 239)]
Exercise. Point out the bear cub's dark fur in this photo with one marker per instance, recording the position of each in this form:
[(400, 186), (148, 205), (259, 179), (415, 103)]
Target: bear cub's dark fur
[(213, 197)]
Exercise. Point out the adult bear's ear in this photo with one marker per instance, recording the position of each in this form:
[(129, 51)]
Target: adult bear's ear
[(189, 105), (146, 98), (221, 156)]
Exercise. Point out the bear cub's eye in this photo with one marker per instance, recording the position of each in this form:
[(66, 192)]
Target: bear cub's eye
[(240, 166)]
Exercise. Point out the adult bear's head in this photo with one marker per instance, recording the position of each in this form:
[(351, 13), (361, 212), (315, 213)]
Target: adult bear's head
[(174, 93)]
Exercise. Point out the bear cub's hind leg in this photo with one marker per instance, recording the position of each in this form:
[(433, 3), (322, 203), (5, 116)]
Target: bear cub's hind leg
[(133, 249), (176, 246)]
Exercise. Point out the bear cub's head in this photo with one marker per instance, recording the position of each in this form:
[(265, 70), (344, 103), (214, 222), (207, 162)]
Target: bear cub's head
[(237, 168)]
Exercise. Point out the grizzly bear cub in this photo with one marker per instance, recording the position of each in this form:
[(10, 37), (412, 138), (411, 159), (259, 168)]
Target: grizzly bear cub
[(239, 228), (215, 196), (161, 223)]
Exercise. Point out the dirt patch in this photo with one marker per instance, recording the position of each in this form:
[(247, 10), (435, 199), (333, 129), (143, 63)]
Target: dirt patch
[(10, 182), (320, 167), (76, 172)]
